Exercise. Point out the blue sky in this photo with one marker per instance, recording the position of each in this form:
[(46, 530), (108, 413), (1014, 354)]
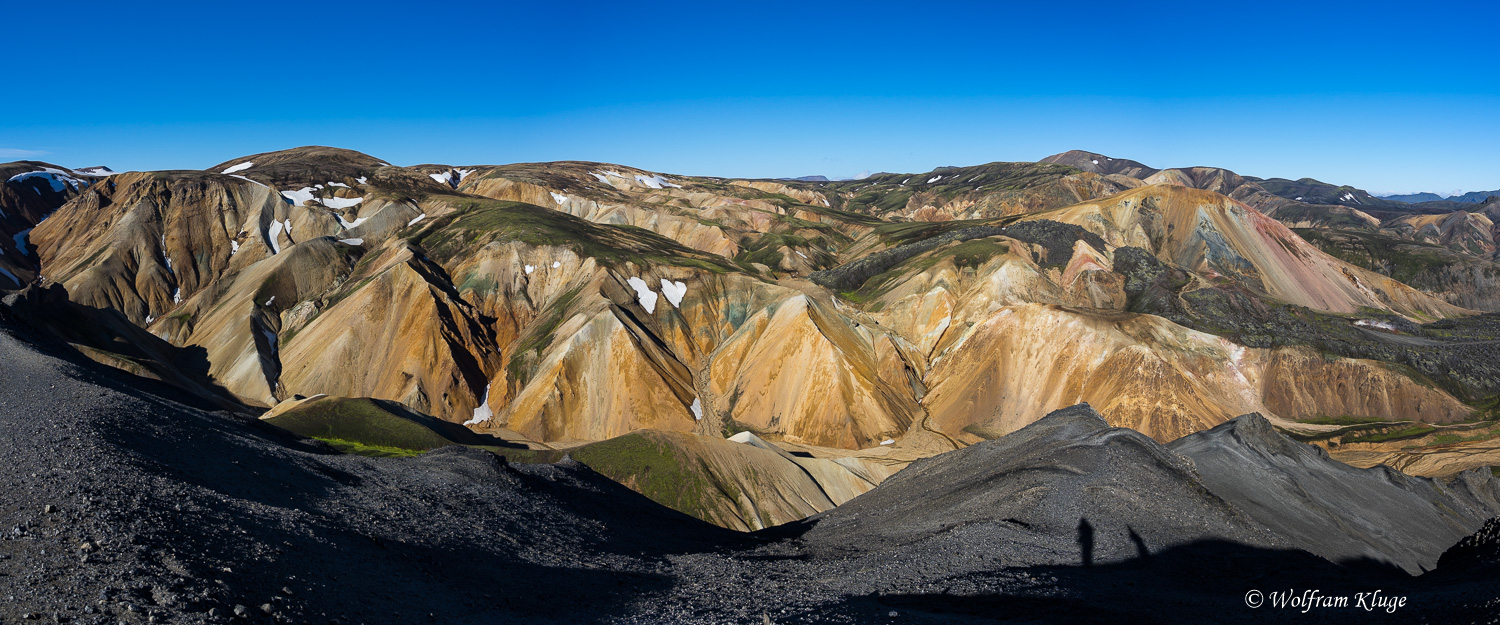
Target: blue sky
[(1384, 96)]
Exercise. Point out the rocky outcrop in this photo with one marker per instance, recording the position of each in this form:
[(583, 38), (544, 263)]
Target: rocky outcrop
[(1331, 509)]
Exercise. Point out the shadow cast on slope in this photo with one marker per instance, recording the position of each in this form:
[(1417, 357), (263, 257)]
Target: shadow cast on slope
[(1203, 581), (64, 327)]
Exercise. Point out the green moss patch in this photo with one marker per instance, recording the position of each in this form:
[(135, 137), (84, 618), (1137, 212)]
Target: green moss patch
[(371, 423)]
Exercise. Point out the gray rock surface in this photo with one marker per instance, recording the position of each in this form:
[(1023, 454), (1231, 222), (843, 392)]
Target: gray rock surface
[(1334, 510), (1062, 486)]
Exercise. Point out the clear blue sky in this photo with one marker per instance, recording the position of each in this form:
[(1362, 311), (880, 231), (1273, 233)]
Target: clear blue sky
[(1385, 96)]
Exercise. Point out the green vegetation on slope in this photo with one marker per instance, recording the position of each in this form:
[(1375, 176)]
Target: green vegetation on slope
[(364, 422), (477, 221), (360, 449), (649, 463), (884, 193), (1416, 264)]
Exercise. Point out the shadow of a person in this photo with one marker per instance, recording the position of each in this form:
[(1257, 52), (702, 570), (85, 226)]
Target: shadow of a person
[(1141, 551), (1086, 542)]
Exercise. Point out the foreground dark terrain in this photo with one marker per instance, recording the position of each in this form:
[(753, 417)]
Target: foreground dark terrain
[(122, 504)]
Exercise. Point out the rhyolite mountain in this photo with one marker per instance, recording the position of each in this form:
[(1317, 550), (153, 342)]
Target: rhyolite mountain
[(573, 306)]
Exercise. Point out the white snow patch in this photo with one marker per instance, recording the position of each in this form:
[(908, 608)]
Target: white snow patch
[(414, 221), (149, 319), (352, 241), (10, 275), (1095, 161), (337, 184), (697, 409), (350, 224), (268, 302), (249, 181), (240, 167), (299, 196), (934, 179), (177, 296), (1349, 197), (1371, 323), (888, 441), (600, 177), (655, 181), (234, 247), (529, 269), (483, 412), (57, 178), (799, 253), (556, 264), (340, 202), (361, 179), (20, 239), (643, 294), (452, 177), (1299, 197), (274, 234), (559, 198), (97, 170), (673, 291), (903, 182)]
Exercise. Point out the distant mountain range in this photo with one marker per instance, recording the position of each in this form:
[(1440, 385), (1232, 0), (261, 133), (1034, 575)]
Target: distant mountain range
[(1472, 197)]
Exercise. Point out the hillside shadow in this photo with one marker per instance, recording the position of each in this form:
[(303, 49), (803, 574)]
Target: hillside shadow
[(65, 328), (1203, 581)]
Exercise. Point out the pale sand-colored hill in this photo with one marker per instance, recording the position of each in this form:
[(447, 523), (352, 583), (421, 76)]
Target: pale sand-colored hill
[(1148, 374)]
